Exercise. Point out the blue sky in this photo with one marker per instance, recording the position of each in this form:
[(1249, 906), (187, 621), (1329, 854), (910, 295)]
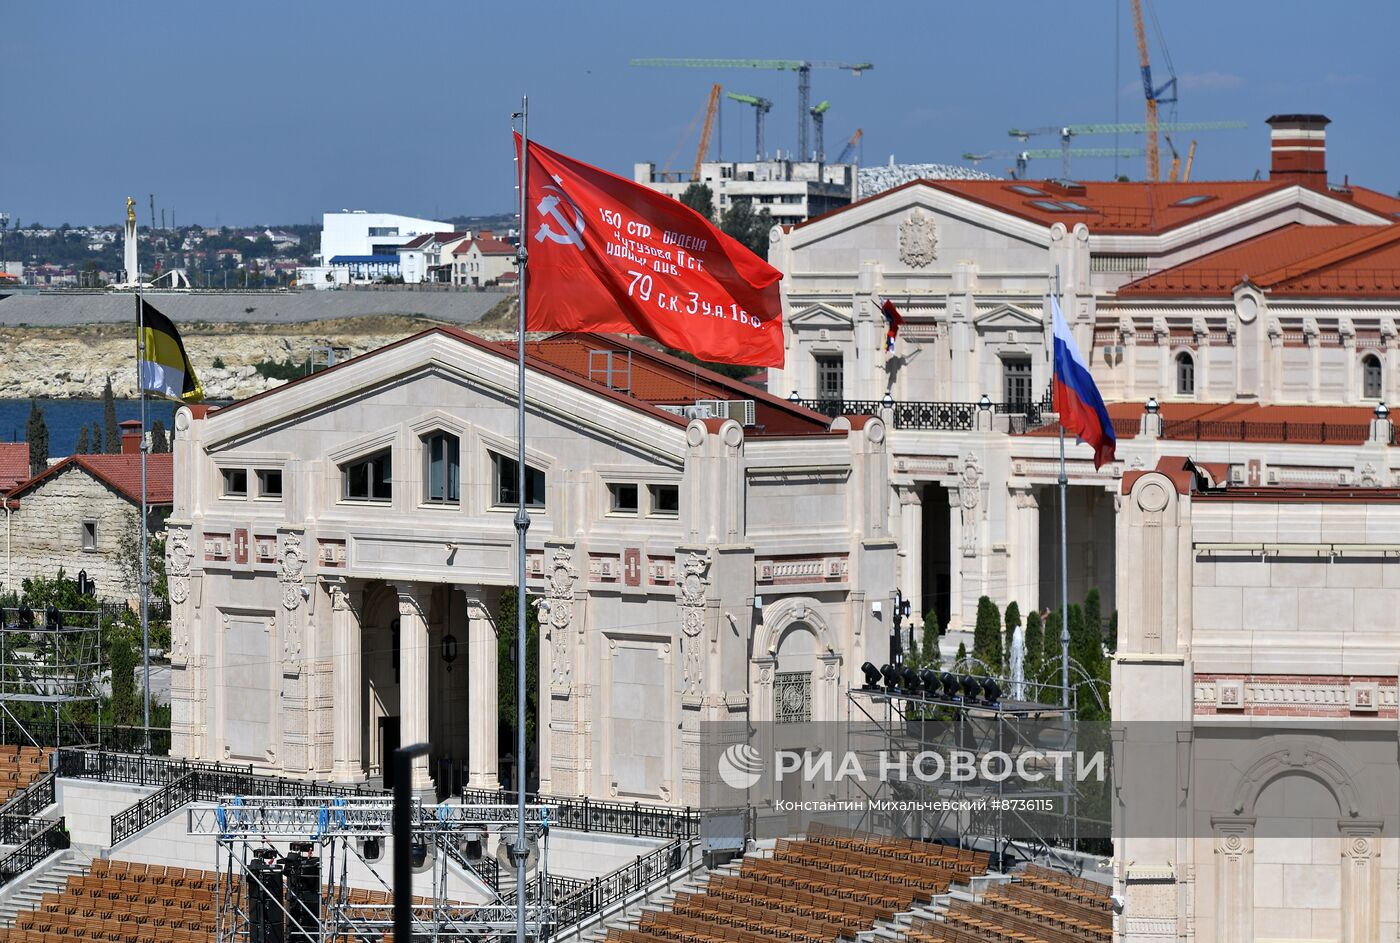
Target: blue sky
[(258, 111)]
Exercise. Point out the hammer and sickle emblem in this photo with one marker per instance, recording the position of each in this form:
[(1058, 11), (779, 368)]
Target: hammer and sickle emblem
[(571, 231)]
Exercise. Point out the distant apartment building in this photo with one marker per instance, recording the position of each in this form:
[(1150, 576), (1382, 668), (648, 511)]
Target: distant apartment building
[(484, 260), (357, 246), (791, 191), (421, 258)]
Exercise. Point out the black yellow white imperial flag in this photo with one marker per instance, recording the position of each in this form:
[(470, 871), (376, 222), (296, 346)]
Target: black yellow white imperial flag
[(165, 367)]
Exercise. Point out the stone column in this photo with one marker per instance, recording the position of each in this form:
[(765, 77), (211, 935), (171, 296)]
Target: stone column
[(348, 676), (955, 561), (414, 600), (1025, 550), (1361, 886), (911, 577), (1234, 862), (483, 750)]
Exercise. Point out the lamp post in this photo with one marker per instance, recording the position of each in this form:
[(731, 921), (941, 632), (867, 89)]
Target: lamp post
[(901, 613), (403, 839)]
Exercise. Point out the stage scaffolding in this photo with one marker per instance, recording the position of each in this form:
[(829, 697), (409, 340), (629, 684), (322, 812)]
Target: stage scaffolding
[(50, 661), (1007, 817), (333, 832)]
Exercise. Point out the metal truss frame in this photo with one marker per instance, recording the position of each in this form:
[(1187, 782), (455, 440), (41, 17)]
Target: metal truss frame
[(245, 825)]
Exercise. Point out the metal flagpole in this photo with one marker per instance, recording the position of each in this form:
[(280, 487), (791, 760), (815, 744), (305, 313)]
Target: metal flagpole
[(1064, 553), (145, 539), (522, 524)]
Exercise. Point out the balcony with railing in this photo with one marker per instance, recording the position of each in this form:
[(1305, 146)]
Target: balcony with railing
[(947, 416)]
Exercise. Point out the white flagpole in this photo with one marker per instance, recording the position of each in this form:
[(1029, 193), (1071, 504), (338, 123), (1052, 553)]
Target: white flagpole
[(145, 538), (522, 524)]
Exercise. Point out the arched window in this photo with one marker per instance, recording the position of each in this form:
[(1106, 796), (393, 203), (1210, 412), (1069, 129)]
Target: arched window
[(792, 676), (1371, 377), (1185, 375)]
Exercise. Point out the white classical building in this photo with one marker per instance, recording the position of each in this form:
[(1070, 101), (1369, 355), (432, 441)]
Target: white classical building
[(1257, 788), (698, 550), (1260, 315)]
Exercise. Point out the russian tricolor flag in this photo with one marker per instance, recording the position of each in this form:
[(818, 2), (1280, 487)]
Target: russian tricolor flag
[(1076, 398), (893, 320)]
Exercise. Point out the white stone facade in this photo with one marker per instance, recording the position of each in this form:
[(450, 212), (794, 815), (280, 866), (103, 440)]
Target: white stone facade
[(1255, 686), (310, 626)]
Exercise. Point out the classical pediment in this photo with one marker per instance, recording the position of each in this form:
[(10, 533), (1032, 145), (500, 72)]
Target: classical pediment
[(1007, 318), (818, 316)]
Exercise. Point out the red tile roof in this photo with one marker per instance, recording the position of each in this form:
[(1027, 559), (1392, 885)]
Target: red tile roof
[(488, 246), (121, 473), (418, 242), (1296, 260), (1244, 422), (14, 464), (1105, 206)]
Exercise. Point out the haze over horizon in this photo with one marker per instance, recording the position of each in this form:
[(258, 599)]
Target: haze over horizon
[(275, 113)]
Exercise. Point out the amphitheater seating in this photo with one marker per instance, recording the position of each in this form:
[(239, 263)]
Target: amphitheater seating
[(1038, 906), (20, 766), (127, 902), (829, 886)]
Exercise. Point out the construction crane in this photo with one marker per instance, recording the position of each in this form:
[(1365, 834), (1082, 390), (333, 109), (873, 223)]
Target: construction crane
[(849, 150), (818, 121), (761, 107), (1174, 173), (1155, 95), (1068, 132), (705, 130), (803, 68), (1023, 158)]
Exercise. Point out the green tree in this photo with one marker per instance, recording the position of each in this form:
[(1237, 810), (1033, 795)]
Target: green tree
[(505, 673), (95, 439), (1086, 640), (961, 657), (913, 658), (1034, 646), (112, 434), (1050, 649), (933, 658), (159, 442), (1113, 632), (1012, 618), (128, 558), (1093, 616), (701, 199), (81, 447), (36, 433), (986, 634), (126, 706), (748, 227)]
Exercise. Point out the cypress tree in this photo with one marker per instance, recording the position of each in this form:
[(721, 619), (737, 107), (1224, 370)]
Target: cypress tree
[(36, 433), (986, 634), (82, 445), (912, 658), (112, 434), (961, 663), (159, 442), (95, 439), (1034, 646), (933, 658), (1093, 616), (1012, 618), (1050, 650), (1113, 631)]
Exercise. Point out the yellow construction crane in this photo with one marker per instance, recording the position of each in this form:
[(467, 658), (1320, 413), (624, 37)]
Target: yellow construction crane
[(1165, 94), (705, 130)]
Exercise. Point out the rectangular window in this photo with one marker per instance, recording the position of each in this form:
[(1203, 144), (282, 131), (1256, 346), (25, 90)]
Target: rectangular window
[(370, 479), (792, 697), (665, 500), (505, 471), (269, 483), (235, 482), (1016, 382), (89, 535), (444, 472), (622, 498), (830, 377)]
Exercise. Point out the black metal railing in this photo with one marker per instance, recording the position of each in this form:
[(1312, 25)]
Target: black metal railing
[(18, 816), (592, 896), (155, 807), (588, 815), (117, 738), (934, 416), (51, 837), (487, 869)]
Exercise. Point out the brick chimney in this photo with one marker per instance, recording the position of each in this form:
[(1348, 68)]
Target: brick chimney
[(1298, 146), (131, 436)]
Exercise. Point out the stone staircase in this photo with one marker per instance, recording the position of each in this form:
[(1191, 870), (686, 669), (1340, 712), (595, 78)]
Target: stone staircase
[(630, 916), (31, 888)]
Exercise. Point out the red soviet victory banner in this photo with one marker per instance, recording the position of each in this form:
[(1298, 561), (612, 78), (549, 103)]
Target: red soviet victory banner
[(608, 254)]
